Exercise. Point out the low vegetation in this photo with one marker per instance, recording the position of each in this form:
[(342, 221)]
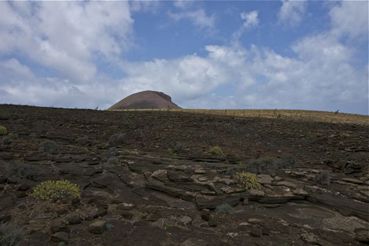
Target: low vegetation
[(216, 151), (10, 235), (247, 180), (3, 130), (56, 190), (304, 115)]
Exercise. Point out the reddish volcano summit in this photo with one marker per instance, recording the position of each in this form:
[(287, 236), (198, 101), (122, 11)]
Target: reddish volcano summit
[(145, 100)]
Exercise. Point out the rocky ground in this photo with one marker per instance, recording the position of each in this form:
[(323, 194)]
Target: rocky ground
[(148, 178)]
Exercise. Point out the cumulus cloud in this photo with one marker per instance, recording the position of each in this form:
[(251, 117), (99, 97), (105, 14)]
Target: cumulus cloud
[(197, 17), (260, 77), (182, 4), (320, 74), (350, 18), (65, 36), (250, 19), (291, 12)]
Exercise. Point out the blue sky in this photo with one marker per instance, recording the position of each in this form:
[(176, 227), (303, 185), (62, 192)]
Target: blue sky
[(205, 54)]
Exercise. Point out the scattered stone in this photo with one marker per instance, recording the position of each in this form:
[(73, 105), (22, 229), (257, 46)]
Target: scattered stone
[(202, 179), (73, 219), (230, 190), (176, 176), (310, 238), (364, 192), (97, 227), (265, 179), (349, 224), (186, 220), (254, 221), (243, 226), (351, 167), (60, 237), (271, 205), (117, 139), (256, 231), (205, 215), (24, 187), (286, 183), (5, 218), (245, 201), (199, 171), (160, 175), (362, 235), (232, 234), (323, 178), (128, 215), (58, 225), (194, 242), (353, 180), (212, 222), (255, 192), (125, 206), (49, 147), (277, 178), (300, 192)]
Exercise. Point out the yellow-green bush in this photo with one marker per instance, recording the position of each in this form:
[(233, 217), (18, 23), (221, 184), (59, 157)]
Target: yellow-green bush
[(54, 190), (216, 150), (247, 180), (3, 130)]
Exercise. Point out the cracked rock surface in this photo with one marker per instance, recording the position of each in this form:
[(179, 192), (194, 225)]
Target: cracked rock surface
[(148, 178)]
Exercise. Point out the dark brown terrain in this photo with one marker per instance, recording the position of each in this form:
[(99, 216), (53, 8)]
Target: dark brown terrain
[(148, 178), (145, 100)]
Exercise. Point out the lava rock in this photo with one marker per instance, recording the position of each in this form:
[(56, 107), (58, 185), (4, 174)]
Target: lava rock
[(97, 227)]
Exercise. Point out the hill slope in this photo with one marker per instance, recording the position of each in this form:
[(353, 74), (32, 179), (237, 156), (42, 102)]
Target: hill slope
[(145, 100), (156, 178)]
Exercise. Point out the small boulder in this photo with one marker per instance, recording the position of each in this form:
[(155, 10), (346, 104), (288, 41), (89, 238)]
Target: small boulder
[(60, 237), (97, 227), (73, 219)]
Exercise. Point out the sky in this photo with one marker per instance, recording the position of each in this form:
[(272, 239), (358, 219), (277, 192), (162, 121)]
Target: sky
[(205, 54)]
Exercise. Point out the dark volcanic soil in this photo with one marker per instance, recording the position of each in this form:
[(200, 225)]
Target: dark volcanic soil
[(147, 178)]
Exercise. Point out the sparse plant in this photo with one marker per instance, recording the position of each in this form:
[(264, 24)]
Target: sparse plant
[(10, 235), (247, 180), (224, 208), (3, 130), (56, 190), (49, 147), (216, 151)]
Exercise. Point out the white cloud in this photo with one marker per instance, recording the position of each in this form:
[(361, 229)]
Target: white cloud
[(320, 76), (65, 36), (350, 18), (198, 17), (250, 19), (292, 11), (182, 4)]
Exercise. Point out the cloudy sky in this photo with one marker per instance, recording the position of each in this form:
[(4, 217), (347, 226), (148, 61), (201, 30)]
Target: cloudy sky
[(211, 54)]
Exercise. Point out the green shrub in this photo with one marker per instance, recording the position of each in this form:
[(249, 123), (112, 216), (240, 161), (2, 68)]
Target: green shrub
[(247, 180), (224, 208), (56, 190), (216, 151), (3, 130), (10, 235)]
